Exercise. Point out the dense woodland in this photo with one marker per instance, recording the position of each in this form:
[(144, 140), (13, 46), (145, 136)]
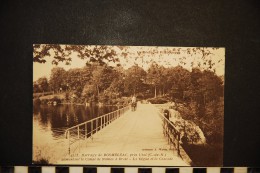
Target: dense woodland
[(198, 94)]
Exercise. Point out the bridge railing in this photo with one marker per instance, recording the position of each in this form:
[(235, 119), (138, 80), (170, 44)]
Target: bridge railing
[(83, 131), (174, 138), (172, 134)]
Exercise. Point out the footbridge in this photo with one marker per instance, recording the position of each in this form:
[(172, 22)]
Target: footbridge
[(140, 137)]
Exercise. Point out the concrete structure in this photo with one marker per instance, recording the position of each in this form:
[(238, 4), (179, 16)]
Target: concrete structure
[(136, 138)]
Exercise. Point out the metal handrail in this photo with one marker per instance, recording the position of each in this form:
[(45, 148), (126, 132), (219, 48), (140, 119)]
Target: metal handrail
[(98, 122), (91, 120), (171, 133)]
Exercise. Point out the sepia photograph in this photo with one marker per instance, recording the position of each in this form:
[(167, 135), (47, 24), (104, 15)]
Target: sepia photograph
[(128, 105)]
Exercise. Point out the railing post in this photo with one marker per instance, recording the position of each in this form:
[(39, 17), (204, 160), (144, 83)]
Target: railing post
[(178, 144), (69, 140), (96, 125), (167, 132), (86, 131), (91, 128), (113, 116), (164, 126), (78, 132), (101, 125)]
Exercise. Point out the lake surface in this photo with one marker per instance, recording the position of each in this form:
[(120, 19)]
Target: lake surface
[(50, 123)]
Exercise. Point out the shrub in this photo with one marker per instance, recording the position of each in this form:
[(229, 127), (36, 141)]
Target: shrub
[(36, 101), (56, 99), (67, 96), (44, 101), (158, 100)]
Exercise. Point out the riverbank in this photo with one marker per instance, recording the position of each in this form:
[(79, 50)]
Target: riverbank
[(65, 98)]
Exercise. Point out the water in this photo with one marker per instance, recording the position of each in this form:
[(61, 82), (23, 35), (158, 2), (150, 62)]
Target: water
[(50, 122)]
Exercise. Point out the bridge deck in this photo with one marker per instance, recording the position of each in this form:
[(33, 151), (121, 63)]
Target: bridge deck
[(140, 133)]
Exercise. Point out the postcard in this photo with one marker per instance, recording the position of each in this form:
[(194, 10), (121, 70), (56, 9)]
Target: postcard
[(128, 105)]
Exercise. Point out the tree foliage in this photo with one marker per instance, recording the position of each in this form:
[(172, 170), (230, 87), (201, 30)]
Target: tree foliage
[(57, 79), (62, 53), (41, 85), (134, 80)]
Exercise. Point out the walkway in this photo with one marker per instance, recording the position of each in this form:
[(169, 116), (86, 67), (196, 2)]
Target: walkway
[(136, 138)]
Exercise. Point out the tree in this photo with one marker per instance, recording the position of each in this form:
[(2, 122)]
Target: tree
[(206, 106), (43, 84), (102, 77), (117, 86), (36, 88), (89, 93), (212, 86), (61, 53), (178, 81), (57, 79), (134, 79), (154, 76)]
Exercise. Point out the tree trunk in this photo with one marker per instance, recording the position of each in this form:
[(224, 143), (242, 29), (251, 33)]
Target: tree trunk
[(163, 91), (97, 90), (155, 91), (204, 99)]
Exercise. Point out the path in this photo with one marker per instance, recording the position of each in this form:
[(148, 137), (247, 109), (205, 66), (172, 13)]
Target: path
[(132, 138)]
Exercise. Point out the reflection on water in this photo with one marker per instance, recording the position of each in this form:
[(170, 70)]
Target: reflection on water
[(57, 118), (50, 122)]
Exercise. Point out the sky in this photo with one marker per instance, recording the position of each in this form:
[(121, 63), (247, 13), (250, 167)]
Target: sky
[(44, 69), (166, 56)]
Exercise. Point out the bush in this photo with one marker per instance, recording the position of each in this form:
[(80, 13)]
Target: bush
[(36, 101), (56, 99), (51, 100), (44, 101), (158, 100), (67, 96), (37, 95), (103, 98)]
